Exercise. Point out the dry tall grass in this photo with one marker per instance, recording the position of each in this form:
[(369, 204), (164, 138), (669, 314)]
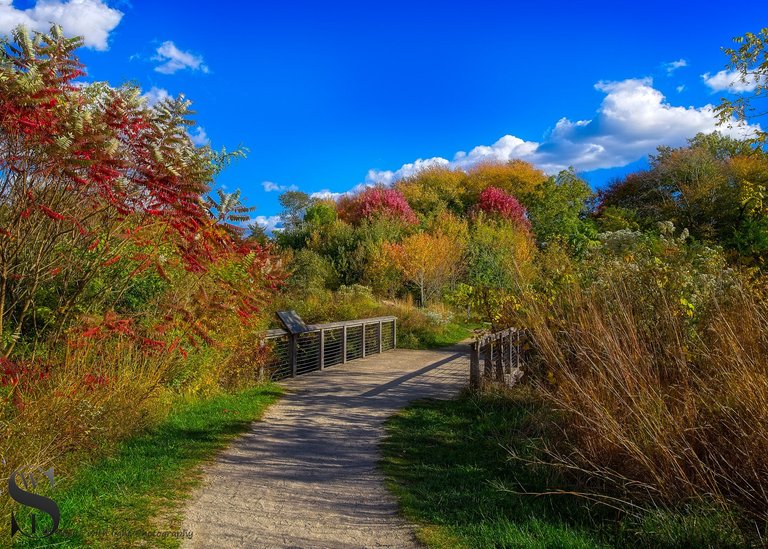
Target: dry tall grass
[(75, 406), (655, 408)]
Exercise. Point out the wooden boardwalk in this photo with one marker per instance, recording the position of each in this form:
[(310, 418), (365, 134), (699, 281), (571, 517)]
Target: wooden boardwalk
[(307, 475)]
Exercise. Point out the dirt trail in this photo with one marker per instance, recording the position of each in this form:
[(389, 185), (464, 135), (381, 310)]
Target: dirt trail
[(306, 474)]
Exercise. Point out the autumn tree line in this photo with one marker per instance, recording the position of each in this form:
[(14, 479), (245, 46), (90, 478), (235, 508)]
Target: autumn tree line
[(475, 238)]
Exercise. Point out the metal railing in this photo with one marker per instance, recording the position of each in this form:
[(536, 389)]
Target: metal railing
[(320, 346), (497, 357)]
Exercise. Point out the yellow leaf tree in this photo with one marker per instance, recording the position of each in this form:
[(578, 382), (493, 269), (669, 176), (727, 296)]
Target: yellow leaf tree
[(428, 261)]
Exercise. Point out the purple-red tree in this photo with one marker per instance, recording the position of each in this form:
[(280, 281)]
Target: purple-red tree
[(495, 201), (376, 202)]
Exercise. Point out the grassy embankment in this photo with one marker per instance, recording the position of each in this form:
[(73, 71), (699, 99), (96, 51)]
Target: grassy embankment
[(450, 464), (135, 495)]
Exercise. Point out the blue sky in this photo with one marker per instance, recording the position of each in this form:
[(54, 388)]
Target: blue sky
[(330, 95)]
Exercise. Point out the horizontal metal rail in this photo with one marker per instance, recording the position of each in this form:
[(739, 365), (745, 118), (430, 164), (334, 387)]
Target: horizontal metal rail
[(500, 355), (320, 346)]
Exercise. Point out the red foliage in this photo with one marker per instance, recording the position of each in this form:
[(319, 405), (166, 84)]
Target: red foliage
[(96, 170), (21, 377), (376, 202), (495, 201), (92, 381), (50, 213), (130, 178)]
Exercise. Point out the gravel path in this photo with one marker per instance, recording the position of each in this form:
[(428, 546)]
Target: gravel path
[(306, 474)]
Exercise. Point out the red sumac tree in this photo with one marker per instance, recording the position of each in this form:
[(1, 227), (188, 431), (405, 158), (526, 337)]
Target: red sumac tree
[(93, 178)]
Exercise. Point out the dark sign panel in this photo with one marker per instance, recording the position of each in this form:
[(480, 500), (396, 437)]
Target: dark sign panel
[(292, 321)]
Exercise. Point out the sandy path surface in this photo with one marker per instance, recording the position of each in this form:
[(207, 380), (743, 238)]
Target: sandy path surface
[(306, 474)]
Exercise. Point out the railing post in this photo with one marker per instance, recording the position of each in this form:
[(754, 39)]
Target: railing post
[(322, 349), (381, 350), (500, 360), (362, 344), (293, 351), (344, 344), (394, 333), (488, 365), (474, 365)]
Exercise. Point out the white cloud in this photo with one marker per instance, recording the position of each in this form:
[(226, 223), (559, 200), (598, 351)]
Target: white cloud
[(172, 59), (156, 95), (199, 137), (633, 119), (672, 66), (91, 19), (730, 81), (268, 222), (270, 186), (386, 177), (327, 194), (680, 88)]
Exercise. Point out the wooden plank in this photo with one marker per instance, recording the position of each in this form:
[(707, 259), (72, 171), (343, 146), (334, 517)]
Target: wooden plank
[(500, 360), (510, 350), (394, 333), (276, 332), (293, 350), (356, 322), (488, 365)]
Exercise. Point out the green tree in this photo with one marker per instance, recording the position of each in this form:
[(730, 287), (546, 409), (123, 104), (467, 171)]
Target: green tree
[(257, 233), (558, 211), (311, 271), (749, 59), (320, 214), (716, 187), (294, 204), (498, 264)]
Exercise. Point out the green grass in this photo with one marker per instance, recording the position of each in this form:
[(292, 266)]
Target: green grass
[(449, 465), (133, 496), (435, 337), (445, 463)]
